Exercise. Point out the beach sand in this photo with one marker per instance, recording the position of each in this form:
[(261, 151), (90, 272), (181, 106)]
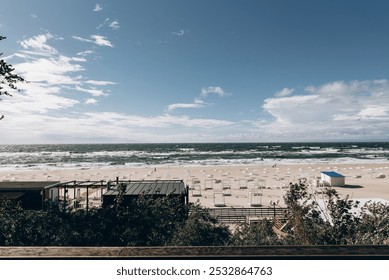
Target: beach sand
[(240, 184)]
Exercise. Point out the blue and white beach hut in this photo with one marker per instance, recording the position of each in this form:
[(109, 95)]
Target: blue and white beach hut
[(332, 179)]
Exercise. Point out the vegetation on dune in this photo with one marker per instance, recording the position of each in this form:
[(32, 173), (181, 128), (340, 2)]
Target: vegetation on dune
[(166, 222)]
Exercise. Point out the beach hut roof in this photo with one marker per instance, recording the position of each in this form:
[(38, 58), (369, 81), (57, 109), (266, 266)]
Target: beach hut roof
[(151, 187), (332, 174)]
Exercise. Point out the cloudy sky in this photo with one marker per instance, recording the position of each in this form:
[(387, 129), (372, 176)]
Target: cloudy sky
[(196, 71)]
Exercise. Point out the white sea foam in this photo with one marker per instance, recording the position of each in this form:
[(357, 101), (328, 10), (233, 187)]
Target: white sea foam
[(102, 156)]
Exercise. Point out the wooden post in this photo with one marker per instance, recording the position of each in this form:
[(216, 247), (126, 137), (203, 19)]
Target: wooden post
[(43, 198), (187, 195), (87, 199), (64, 198)]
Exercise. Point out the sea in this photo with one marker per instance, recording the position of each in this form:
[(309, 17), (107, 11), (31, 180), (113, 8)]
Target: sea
[(46, 157)]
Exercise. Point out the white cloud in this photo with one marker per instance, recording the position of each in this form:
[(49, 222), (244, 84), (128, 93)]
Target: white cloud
[(162, 121), (93, 91), (86, 53), (108, 127), (95, 39), (212, 90), (102, 24), (38, 43), (51, 77), (196, 104), (356, 110), (37, 100), (101, 41), (34, 16), (114, 25), (179, 33), (374, 112), (99, 83), (97, 8), (91, 101), (199, 102), (82, 39), (73, 127), (52, 70), (79, 59), (284, 92), (295, 108)]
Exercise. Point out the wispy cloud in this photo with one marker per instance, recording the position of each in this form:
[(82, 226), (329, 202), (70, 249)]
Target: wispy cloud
[(284, 92), (91, 101), (213, 90), (86, 53), (101, 41), (196, 104), (34, 16), (97, 8), (38, 43), (93, 91), (82, 39), (51, 77), (199, 101), (114, 25), (100, 83), (95, 39), (102, 24), (180, 32)]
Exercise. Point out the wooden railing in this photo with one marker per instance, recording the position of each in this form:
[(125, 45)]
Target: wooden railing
[(333, 251), (243, 215)]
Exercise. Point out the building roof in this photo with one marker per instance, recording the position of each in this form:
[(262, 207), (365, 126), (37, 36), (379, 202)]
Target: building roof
[(151, 187), (24, 185), (333, 174)]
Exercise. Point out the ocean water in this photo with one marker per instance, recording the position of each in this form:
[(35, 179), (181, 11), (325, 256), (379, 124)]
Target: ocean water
[(43, 157)]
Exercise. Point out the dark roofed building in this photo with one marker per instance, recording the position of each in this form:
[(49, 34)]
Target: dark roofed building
[(149, 188), (31, 195)]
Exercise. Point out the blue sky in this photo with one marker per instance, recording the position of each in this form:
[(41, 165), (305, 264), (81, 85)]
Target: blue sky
[(196, 71)]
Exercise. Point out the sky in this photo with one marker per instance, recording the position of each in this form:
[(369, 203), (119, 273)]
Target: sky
[(141, 71)]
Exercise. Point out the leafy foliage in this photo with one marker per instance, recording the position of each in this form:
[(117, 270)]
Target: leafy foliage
[(337, 222), (201, 229), (165, 221), (144, 222), (260, 233), (8, 79)]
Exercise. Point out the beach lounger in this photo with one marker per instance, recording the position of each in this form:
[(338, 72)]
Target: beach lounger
[(219, 199), (255, 198)]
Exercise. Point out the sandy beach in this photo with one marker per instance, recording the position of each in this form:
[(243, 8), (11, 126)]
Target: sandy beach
[(235, 186)]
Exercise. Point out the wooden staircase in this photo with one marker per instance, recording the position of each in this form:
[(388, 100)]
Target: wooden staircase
[(278, 227)]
